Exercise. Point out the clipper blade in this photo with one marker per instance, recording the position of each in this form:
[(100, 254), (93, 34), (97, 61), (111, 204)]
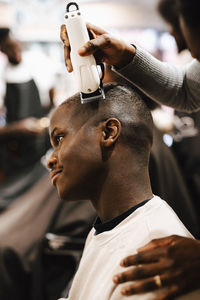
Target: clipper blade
[(96, 96)]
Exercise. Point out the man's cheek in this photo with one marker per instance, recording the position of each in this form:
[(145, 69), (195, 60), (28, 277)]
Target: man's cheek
[(63, 155)]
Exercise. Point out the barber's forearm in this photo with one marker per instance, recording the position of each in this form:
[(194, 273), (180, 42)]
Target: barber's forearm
[(165, 83)]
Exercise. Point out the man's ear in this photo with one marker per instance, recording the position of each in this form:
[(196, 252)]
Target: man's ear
[(110, 132)]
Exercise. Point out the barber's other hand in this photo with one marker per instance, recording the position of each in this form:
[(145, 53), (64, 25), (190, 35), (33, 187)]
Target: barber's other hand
[(175, 259), (105, 47)]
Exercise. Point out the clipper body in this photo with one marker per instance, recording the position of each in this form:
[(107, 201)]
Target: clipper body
[(85, 68)]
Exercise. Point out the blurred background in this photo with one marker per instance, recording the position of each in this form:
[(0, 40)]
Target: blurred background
[(47, 235)]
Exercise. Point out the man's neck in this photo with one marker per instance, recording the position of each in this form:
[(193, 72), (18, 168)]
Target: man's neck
[(119, 193)]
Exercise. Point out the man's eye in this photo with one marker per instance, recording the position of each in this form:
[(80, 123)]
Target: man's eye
[(59, 139)]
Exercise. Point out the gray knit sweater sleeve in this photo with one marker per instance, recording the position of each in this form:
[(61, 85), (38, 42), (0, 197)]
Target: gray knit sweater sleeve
[(175, 86)]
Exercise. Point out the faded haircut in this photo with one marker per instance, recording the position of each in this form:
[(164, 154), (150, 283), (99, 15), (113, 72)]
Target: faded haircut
[(125, 104)]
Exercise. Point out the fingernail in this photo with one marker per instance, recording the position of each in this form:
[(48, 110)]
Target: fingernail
[(122, 263), (115, 279), (123, 291), (82, 50)]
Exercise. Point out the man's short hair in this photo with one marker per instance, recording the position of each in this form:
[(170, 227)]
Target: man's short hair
[(125, 104)]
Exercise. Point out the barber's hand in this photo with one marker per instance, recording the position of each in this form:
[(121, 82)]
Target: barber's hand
[(106, 48), (172, 262)]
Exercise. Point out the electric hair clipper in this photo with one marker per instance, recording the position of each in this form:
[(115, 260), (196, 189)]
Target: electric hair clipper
[(85, 68)]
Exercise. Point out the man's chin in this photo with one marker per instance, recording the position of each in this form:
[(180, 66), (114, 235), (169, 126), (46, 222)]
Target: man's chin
[(70, 196), (67, 196)]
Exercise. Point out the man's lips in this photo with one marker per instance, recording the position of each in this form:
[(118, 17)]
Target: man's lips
[(54, 175)]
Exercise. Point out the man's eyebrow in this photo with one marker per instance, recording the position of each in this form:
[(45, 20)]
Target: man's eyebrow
[(53, 131)]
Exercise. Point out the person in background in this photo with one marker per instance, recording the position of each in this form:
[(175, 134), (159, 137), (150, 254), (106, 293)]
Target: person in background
[(186, 133), (168, 11), (174, 86), (23, 133), (23, 141)]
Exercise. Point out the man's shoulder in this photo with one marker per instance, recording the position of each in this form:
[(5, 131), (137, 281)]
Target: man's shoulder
[(162, 220)]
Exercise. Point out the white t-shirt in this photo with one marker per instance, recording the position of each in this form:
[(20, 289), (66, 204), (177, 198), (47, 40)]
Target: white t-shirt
[(103, 252)]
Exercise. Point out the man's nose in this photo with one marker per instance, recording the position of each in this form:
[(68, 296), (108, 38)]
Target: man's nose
[(51, 161)]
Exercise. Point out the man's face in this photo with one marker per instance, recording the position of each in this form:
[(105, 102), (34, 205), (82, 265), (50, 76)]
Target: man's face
[(76, 160), (192, 38)]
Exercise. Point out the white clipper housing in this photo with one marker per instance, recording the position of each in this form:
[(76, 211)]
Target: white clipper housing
[(85, 68)]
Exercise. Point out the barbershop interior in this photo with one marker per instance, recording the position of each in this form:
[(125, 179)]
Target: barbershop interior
[(144, 49)]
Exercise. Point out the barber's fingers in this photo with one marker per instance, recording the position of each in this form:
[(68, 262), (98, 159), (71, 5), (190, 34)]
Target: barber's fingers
[(158, 243), (92, 46), (95, 29), (105, 47), (68, 62), (168, 280), (173, 280), (145, 257), (171, 285), (143, 271), (67, 49), (141, 286), (99, 43), (108, 49), (64, 36), (168, 294), (174, 283)]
